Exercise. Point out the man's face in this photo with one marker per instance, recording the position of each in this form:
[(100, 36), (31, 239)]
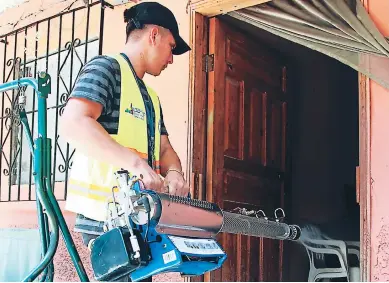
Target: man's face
[(160, 53)]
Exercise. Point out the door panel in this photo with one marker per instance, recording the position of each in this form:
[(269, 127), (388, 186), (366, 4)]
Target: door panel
[(233, 135), (246, 146)]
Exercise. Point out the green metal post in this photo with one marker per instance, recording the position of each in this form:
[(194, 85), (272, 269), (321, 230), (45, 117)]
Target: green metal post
[(64, 228), (43, 227), (42, 197), (50, 246), (44, 89), (42, 219)]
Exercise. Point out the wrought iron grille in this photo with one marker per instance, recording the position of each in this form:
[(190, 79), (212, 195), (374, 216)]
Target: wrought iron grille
[(59, 45)]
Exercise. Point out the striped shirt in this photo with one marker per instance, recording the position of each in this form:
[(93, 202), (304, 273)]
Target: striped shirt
[(100, 81)]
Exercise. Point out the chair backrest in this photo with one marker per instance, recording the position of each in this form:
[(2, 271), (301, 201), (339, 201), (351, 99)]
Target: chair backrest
[(353, 250), (20, 252), (318, 249)]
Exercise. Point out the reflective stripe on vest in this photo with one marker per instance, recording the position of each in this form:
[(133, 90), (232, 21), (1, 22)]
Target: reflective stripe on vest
[(91, 181)]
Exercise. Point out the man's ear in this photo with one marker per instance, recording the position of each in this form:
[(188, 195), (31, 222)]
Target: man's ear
[(154, 32)]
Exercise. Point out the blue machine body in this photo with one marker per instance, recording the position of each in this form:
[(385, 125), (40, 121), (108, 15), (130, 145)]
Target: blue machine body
[(167, 257), (169, 253)]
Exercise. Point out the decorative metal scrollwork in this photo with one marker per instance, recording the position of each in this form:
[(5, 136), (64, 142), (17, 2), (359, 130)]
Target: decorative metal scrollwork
[(13, 151), (63, 99)]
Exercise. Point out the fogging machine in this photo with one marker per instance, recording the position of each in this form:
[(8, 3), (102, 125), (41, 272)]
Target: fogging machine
[(148, 233)]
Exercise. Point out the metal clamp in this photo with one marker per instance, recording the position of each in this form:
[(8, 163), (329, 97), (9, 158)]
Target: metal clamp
[(261, 216), (277, 217), (243, 211), (21, 97), (258, 214)]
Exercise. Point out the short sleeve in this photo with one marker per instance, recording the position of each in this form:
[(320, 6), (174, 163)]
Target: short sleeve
[(96, 82), (163, 127)]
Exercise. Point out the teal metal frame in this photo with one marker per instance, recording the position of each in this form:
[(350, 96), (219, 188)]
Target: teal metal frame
[(50, 217)]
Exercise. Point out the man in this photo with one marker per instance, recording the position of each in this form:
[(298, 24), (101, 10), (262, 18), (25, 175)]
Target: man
[(115, 121)]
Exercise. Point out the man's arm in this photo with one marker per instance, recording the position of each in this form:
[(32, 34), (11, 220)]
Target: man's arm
[(80, 128), (172, 170), (169, 158)]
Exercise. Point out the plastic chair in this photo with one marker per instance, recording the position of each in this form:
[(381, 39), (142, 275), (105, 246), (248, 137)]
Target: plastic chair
[(318, 249), (353, 249)]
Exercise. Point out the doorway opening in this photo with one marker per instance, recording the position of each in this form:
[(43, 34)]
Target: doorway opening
[(322, 151)]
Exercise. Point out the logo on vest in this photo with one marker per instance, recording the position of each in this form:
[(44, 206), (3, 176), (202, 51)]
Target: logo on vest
[(136, 112)]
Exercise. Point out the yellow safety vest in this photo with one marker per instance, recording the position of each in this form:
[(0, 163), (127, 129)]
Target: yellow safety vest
[(91, 181)]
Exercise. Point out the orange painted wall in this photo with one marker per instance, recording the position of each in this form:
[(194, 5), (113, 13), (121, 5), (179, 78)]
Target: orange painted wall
[(379, 233), (172, 87)]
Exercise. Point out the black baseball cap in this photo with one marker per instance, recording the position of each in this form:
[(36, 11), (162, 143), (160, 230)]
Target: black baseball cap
[(153, 13)]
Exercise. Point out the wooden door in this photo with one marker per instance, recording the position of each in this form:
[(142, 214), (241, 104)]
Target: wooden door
[(246, 146)]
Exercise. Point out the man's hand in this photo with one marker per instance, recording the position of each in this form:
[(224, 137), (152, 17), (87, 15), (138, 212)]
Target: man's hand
[(175, 184), (151, 180)]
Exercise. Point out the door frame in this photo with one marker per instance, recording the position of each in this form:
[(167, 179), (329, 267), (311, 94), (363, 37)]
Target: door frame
[(200, 11), (212, 8), (363, 176)]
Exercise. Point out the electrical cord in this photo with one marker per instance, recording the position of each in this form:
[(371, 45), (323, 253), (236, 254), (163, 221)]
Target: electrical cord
[(145, 201), (114, 198), (147, 227)]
